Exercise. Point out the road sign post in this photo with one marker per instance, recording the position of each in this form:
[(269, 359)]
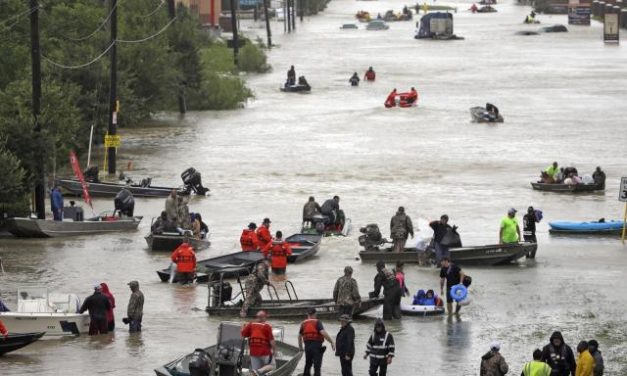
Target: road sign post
[(622, 196)]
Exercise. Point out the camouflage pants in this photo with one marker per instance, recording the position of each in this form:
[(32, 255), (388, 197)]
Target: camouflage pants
[(252, 299)]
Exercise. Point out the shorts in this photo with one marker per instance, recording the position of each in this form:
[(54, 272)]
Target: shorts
[(257, 362)]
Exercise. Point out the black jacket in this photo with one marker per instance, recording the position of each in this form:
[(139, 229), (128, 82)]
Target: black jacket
[(97, 305), (439, 230), (345, 341), (560, 359), (380, 345)]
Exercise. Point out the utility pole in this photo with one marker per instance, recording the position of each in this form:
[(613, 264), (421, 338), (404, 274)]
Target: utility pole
[(301, 9), (268, 31), (183, 83), (288, 5), (113, 106), (40, 172), (293, 14), (235, 35)]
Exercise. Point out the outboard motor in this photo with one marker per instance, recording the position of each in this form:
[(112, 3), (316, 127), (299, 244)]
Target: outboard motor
[(124, 203), (201, 363), (91, 174), (192, 180), (145, 183), (220, 293), (372, 238)]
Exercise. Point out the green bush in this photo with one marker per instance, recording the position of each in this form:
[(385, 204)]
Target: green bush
[(253, 59)]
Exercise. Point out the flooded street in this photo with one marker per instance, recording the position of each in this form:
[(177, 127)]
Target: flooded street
[(563, 98)]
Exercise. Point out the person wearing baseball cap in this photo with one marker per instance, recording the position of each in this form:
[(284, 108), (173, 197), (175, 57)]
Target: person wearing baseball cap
[(263, 233), (493, 363), (261, 343), (248, 240), (345, 345), (97, 304), (509, 230), (312, 333), (135, 309)]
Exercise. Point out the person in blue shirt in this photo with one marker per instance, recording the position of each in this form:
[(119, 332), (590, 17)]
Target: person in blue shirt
[(56, 203)]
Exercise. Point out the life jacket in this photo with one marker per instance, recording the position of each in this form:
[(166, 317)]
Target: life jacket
[(558, 357), (263, 236), (278, 253), (428, 301), (310, 331), (249, 241), (258, 339), (370, 75), (184, 258)]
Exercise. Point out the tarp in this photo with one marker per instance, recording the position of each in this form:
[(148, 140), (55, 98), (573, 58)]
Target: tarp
[(433, 24)]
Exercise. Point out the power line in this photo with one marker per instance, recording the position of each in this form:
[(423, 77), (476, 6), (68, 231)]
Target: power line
[(162, 2), (18, 18), (102, 24), (149, 37), (59, 65)]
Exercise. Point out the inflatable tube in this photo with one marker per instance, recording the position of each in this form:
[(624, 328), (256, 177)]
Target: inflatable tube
[(459, 292), (421, 310)]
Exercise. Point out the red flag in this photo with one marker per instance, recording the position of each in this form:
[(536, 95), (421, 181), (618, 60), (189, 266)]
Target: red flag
[(79, 174)]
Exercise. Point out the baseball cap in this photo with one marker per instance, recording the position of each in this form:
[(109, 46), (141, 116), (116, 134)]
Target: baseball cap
[(512, 211), (133, 283), (267, 220)]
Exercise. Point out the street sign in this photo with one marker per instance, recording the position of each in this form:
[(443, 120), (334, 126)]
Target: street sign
[(622, 193), (579, 14), (112, 141), (610, 28)]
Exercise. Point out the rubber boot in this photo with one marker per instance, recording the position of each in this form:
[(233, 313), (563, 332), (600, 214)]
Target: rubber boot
[(457, 308), (449, 308)]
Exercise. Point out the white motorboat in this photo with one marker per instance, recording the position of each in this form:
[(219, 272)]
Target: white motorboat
[(41, 311)]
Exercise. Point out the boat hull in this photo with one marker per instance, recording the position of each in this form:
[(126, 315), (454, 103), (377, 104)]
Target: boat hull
[(16, 341), (73, 187), (55, 325), (566, 188), (481, 115), (303, 246), (583, 228), (325, 308), (43, 228), (496, 254), (168, 243), (241, 264)]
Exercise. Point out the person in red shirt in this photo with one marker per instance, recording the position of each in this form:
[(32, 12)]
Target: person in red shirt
[(391, 100), (248, 240), (370, 75), (278, 250), (110, 317), (261, 343), (185, 260), (263, 233), (3, 330)]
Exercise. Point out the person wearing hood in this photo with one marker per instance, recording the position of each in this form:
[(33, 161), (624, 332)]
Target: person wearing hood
[(529, 226), (536, 367), (400, 228), (559, 356), (585, 361), (370, 75), (593, 347), (354, 80), (345, 345), (97, 304), (110, 317), (392, 292), (599, 177), (380, 349), (492, 362), (56, 203)]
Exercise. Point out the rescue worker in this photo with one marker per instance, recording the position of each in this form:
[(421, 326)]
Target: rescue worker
[(536, 367), (474, 8), (585, 361), (380, 349), (3, 330), (559, 356), (278, 251), (392, 293), (248, 240), (552, 170), (346, 293), (599, 177), (599, 366), (509, 230), (439, 231), (312, 333), (56, 203), (171, 207), (263, 233), (200, 363), (253, 285), (331, 209), (413, 96), (261, 344), (135, 308), (311, 209), (185, 260), (110, 316), (400, 228), (345, 345), (391, 99), (370, 75), (291, 77), (452, 275), (97, 304), (354, 80), (492, 362), (529, 228)]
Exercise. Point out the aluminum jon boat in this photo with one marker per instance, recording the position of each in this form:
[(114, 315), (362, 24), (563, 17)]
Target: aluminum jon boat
[(230, 358), (16, 341), (567, 188), (169, 241), (303, 246), (231, 266), (594, 227), (45, 228)]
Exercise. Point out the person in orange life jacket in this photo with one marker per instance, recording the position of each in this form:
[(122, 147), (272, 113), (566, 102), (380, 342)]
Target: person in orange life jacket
[(3, 330), (263, 233), (278, 250), (391, 100), (370, 75), (261, 343), (312, 333), (413, 96), (185, 260), (248, 240)]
